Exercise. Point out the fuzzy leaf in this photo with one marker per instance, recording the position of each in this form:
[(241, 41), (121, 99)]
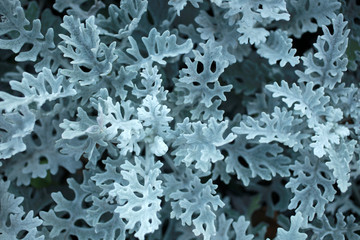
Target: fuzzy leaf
[(193, 202), (122, 21), (200, 78), (154, 116), (74, 8), (306, 101), (38, 90), (83, 46), (278, 48), (340, 158), (263, 160), (297, 222), (62, 225), (304, 12), (14, 223), (240, 227), (198, 142), (279, 127), (42, 156), (312, 185), (15, 21), (179, 5), (343, 229), (158, 46), (14, 127), (139, 199), (326, 66), (247, 14)]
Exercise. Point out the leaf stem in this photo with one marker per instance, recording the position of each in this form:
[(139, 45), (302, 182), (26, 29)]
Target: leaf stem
[(170, 162)]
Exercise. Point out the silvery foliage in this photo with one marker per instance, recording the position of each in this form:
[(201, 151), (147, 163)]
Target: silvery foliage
[(179, 119)]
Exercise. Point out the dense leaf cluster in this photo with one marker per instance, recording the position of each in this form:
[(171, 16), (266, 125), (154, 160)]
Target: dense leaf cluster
[(179, 119)]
